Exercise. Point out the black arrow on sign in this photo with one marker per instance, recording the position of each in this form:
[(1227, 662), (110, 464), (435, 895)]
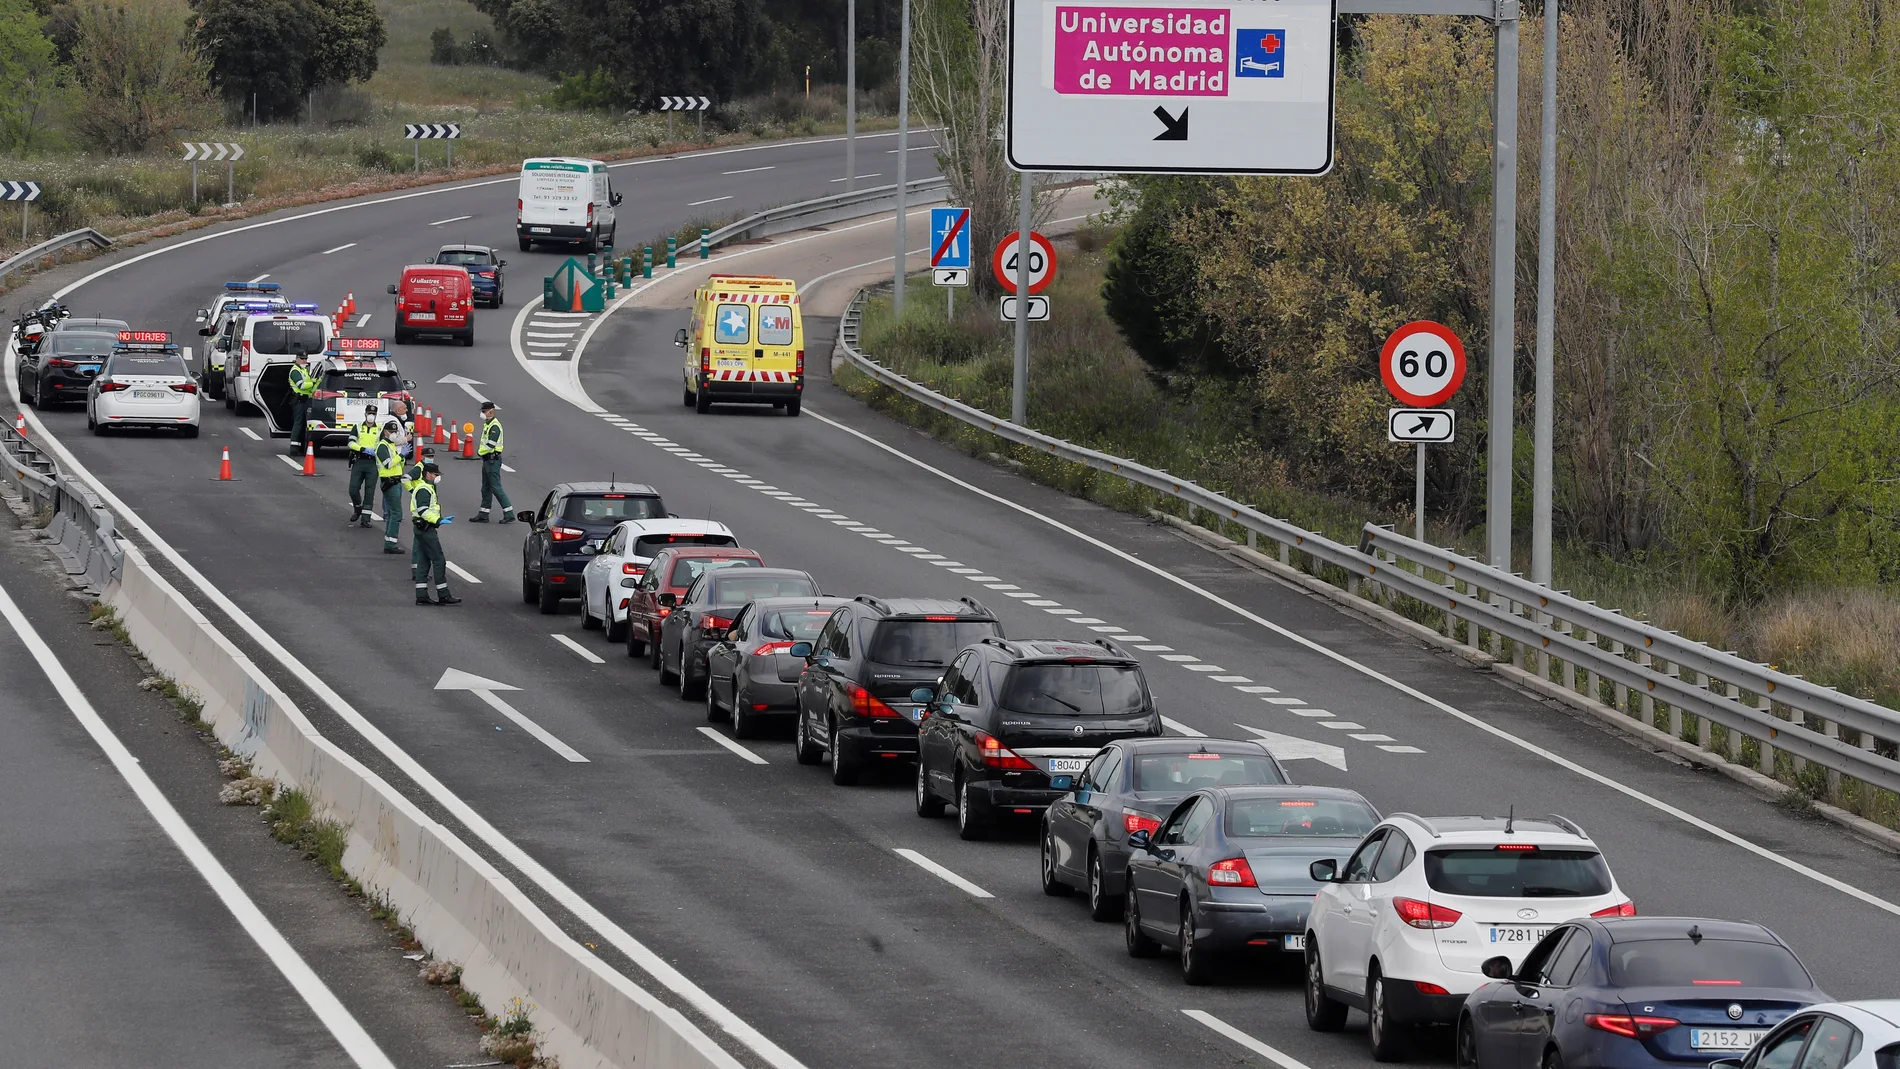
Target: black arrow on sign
[(1176, 128), (1424, 424)]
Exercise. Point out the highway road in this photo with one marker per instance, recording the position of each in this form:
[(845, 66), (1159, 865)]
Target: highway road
[(780, 899)]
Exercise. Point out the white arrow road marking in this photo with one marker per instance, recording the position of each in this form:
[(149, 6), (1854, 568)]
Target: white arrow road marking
[(585, 653), (339, 248), (942, 873), (733, 746), (467, 384), (252, 435), (261, 277), (1288, 748), (451, 219), (456, 679), (1282, 1060), (458, 570), (507, 469)]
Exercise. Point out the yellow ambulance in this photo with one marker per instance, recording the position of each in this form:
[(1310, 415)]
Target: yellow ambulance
[(746, 344)]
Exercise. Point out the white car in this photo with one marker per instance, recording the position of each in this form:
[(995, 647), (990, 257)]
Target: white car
[(1403, 930), (144, 383), (621, 559), (1830, 1035)]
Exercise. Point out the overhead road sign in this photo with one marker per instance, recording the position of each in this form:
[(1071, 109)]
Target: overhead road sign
[(1042, 262), (27, 191), (950, 237), (216, 150), (1425, 426), (1196, 87), (431, 131), (1422, 363), (949, 276), (1038, 309), (685, 103)]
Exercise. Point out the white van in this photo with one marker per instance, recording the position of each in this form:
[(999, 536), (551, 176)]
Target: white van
[(565, 200), (258, 349)]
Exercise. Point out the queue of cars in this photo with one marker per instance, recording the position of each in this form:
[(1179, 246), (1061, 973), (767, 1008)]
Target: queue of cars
[(124, 377)]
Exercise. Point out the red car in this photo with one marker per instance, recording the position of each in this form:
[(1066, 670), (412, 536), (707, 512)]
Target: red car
[(672, 571), (434, 299)]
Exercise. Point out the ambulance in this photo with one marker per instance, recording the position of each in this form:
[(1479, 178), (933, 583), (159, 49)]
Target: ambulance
[(746, 344)]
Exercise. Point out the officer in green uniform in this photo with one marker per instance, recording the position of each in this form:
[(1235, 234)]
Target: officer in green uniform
[(363, 467), (425, 515), (303, 383), (490, 452), (412, 478), (389, 472)]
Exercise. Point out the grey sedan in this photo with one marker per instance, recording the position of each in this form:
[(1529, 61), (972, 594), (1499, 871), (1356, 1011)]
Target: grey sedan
[(749, 672)]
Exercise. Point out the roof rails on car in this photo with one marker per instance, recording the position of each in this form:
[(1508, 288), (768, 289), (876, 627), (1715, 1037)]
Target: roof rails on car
[(1420, 821), (1111, 647), (874, 602), (975, 604), (1003, 644)]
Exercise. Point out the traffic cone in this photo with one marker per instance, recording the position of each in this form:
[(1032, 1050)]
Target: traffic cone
[(455, 438), (422, 423), (224, 466), (441, 433), (468, 441), (310, 458), (19, 424), (349, 303)]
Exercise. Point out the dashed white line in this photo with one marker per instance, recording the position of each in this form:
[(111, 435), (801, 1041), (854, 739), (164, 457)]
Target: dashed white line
[(1181, 729), (585, 653), (261, 277), (252, 435), (451, 219), (294, 465), (1256, 690), (1342, 725), (1375, 738), (507, 469), (1284, 701), (363, 320), (752, 170), (1284, 1061), (733, 746), (459, 570), (861, 178), (1414, 749), (940, 872), (1231, 679), (711, 200), (339, 248)]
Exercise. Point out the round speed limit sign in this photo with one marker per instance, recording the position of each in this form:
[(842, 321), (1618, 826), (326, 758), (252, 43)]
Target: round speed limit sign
[(1042, 262), (1423, 364)]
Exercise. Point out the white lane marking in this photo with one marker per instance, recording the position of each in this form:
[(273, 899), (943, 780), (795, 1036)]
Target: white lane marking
[(751, 170), (507, 469), (541, 734), (1369, 672), (708, 200), (941, 873), (585, 653), (548, 334), (1342, 725), (363, 320), (731, 745), (459, 570), (309, 986), (1320, 713), (1375, 738), (560, 315), (252, 435), (1284, 1061), (551, 323), (1089, 620), (295, 465), (1285, 701), (259, 278), (451, 219), (913, 148), (1256, 690), (862, 177), (1230, 679), (1181, 729), (339, 248)]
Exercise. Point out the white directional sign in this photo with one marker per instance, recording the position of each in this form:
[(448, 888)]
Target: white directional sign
[(19, 191), (1197, 86), (685, 103), (214, 151), (949, 276), (431, 131), (1428, 426), (1038, 309)]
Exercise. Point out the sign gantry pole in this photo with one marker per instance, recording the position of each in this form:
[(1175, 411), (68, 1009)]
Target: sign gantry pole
[(903, 151), (1019, 381), (1497, 509), (1542, 427)]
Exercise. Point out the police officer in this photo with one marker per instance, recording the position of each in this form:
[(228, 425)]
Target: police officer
[(389, 472), (425, 514), (490, 452), (303, 383), (412, 478), (363, 466)]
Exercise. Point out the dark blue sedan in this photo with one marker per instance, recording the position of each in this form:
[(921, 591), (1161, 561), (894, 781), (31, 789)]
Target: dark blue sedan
[(484, 270), (1634, 993)]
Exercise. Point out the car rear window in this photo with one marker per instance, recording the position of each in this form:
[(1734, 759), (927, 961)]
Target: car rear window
[(362, 381), (273, 337), (1488, 872), (1192, 771), (1887, 1057), (108, 326), (611, 508), (687, 569), (1299, 816), (1113, 690), (1712, 963), (801, 625), (146, 364), (925, 642), (648, 545), (463, 258), (81, 345), (738, 589)]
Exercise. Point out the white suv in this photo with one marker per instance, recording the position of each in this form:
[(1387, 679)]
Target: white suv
[(621, 559), (1402, 930)]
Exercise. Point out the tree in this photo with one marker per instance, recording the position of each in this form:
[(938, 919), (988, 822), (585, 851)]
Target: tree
[(140, 72), (349, 37), (1153, 280), (29, 77), (282, 50)]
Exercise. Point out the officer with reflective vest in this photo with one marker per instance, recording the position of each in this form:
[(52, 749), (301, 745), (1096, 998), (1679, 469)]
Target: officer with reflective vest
[(303, 383), (412, 478), (363, 466), (389, 472), (490, 452), (425, 515)]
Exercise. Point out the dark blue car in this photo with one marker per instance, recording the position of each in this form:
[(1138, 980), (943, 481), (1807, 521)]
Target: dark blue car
[(1633, 993), (484, 270)]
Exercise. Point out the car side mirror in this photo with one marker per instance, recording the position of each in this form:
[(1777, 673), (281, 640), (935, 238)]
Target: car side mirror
[(1325, 870), (613, 199), (1726, 1063), (205, 332), (590, 549), (408, 384), (501, 263), (392, 289), (922, 695), (669, 600), (1142, 840), (1499, 968), (800, 649), (679, 338), (204, 314)]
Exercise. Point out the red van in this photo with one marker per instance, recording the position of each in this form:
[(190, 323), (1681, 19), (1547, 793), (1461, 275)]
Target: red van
[(432, 299)]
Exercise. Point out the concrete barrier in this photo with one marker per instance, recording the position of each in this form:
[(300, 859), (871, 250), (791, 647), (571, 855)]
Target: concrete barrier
[(460, 906)]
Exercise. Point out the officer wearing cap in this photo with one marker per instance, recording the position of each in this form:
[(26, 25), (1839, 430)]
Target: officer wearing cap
[(490, 452), (425, 515), (389, 473), (303, 383), (363, 466)]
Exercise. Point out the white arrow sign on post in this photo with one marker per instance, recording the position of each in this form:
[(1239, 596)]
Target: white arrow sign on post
[(445, 132), (467, 384), (456, 679), (1288, 748), (698, 105), (213, 152), (24, 192)]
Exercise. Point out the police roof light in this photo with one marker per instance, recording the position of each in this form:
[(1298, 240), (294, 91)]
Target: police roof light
[(258, 287), (303, 306)]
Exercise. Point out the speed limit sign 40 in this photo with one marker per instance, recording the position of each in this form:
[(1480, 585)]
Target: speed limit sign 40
[(1042, 263), (1423, 364)]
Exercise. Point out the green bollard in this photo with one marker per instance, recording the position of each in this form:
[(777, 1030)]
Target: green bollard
[(591, 270), (671, 248), (610, 287), (705, 243), (646, 261), (547, 291)]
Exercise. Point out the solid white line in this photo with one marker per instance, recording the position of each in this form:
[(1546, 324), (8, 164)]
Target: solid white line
[(1284, 1061), (458, 570), (259, 278), (1181, 729), (451, 219), (252, 435), (541, 734), (507, 469), (363, 320), (585, 653), (731, 745), (750, 170), (862, 177), (942, 873), (295, 465), (349, 1034), (339, 248), (708, 200)]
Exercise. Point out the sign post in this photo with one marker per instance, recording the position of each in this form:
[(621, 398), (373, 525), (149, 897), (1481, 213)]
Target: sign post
[(1422, 364), (1022, 268), (229, 153), (445, 132), (950, 253), (697, 105)]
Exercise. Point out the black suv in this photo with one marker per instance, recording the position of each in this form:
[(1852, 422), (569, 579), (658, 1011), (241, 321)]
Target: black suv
[(1011, 724), (855, 695), (562, 534)]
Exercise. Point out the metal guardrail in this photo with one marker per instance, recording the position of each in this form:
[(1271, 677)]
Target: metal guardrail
[(831, 209), (82, 529), (55, 246), (1600, 655)]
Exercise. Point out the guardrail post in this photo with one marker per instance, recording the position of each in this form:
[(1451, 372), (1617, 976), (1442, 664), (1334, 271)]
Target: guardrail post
[(671, 249), (1675, 708), (1621, 692), (1765, 751), (705, 243)]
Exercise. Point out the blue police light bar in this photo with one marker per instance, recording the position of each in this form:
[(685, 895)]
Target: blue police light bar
[(262, 306), (260, 287), (309, 307)]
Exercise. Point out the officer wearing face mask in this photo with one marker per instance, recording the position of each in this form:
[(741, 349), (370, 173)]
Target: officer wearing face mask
[(389, 476)]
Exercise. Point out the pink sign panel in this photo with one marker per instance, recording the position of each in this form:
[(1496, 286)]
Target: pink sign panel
[(1142, 51)]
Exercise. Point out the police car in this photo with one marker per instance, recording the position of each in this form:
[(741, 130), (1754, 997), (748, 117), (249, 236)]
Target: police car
[(144, 383), (354, 374), (235, 299)]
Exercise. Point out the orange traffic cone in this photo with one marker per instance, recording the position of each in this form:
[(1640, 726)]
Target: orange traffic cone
[(455, 438), (422, 423), (349, 303), (468, 441), (224, 466), (19, 424), (441, 433), (309, 458)]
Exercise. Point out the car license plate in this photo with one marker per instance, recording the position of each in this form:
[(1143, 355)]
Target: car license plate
[(417, 317), (1292, 942), (1525, 934), (1068, 764), (540, 230), (352, 410), (915, 712), (89, 369), (1725, 1038), (729, 362), (150, 395), (1062, 783)]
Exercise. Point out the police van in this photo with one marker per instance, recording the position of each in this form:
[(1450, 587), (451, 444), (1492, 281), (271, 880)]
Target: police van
[(237, 298), (257, 347), (354, 375), (745, 345), (565, 200)]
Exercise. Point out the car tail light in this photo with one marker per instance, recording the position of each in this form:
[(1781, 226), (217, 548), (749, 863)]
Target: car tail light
[(942, 619), (630, 568), (1624, 909), (57, 362), (623, 602), (1515, 846), (1425, 988), (1424, 914), (1716, 983), (590, 215), (185, 387), (769, 648), (716, 623), (486, 274), (326, 395), (863, 704), (108, 387), (1233, 872), (705, 361), (566, 534), (1134, 822), (1633, 1026), (244, 355), (801, 363), (997, 755), (517, 209)]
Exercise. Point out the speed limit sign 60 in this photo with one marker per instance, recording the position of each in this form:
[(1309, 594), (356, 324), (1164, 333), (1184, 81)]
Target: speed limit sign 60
[(1042, 263), (1423, 364)]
